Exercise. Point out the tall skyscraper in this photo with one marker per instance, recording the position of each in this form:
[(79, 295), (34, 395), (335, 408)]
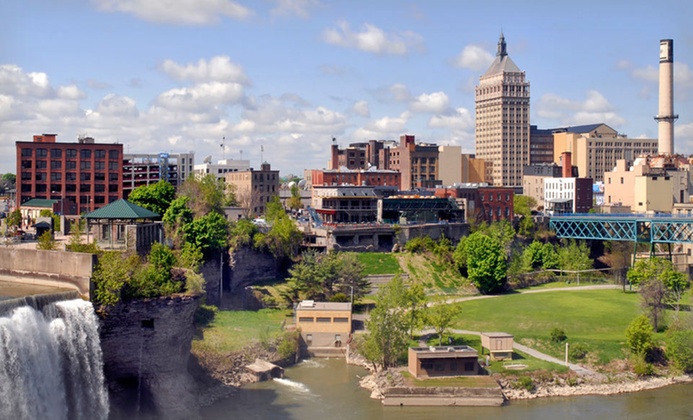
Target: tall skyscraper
[(502, 119)]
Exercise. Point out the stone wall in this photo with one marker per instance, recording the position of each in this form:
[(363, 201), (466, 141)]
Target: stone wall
[(248, 267), (51, 268), (452, 231), (146, 350)]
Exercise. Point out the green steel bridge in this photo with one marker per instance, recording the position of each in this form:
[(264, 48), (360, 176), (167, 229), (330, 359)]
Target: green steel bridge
[(639, 228)]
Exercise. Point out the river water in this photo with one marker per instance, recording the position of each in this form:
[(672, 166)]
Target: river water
[(327, 389)]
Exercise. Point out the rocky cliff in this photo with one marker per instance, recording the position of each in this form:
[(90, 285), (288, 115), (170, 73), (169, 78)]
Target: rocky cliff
[(146, 349), (249, 266)]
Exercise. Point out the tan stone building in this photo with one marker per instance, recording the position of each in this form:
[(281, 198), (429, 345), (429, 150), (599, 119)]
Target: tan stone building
[(475, 170), (418, 163), (596, 148), (435, 361), (323, 324), (654, 184), (254, 189), (450, 164), (502, 119)]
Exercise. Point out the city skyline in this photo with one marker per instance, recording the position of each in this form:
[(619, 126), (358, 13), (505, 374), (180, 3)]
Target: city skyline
[(288, 75)]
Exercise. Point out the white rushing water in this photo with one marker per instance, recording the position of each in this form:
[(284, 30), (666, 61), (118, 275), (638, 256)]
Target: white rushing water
[(293, 385), (51, 365)]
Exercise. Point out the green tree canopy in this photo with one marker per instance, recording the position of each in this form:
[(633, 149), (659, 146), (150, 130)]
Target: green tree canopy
[(639, 335), (155, 197), (294, 202), (486, 263), (207, 194), (574, 256), (208, 233), (440, 318), (386, 340)]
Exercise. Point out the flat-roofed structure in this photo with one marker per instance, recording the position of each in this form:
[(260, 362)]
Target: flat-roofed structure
[(434, 361), (323, 324), (499, 344)]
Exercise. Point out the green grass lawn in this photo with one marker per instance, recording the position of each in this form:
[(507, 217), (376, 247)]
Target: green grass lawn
[(458, 381), (232, 330), (595, 318), (379, 263)]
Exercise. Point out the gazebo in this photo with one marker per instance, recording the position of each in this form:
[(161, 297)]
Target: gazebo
[(123, 225)]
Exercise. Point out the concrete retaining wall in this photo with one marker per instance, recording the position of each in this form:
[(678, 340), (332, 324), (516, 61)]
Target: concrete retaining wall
[(51, 268)]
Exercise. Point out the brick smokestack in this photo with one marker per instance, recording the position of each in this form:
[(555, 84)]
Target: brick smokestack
[(567, 159), (666, 117), (334, 161)]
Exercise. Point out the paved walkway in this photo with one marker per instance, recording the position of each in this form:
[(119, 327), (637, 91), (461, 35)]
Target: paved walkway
[(580, 370)]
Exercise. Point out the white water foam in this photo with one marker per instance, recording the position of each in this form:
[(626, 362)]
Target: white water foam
[(51, 365), (311, 363), (293, 385)]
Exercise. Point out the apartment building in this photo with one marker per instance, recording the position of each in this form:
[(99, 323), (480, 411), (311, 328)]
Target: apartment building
[(254, 189), (87, 173), (150, 168)]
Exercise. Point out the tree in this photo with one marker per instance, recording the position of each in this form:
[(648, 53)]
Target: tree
[(659, 282), (386, 339), (14, 219), (539, 256), (639, 335), (574, 256), (283, 239), (155, 197), (680, 350), (415, 304), (46, 241), (440, 317), (177, 216), (208, 233), (523, 205), (618, 256), (207, 194), (113, 269), (294, 202), (486, 264)]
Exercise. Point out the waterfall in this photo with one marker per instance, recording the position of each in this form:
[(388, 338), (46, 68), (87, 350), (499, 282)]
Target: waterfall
[(51, 366)]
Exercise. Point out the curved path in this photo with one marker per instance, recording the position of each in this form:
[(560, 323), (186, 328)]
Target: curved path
[(580, 370)]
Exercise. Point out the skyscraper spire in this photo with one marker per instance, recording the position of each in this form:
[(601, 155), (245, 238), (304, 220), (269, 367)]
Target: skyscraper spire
[(502, 52)]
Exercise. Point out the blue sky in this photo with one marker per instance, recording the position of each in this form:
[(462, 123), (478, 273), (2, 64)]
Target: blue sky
[(288, 75)]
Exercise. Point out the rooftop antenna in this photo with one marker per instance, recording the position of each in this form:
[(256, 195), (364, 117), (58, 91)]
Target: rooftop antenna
[(241, 155), (223, 149), (262, 151)]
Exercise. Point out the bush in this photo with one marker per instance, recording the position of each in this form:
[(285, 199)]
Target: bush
[(288, 345), (558, 335), (577, 351), (46, 241), (419, 244), (680, 350), (525, 382), (641, 367), (639, 335)]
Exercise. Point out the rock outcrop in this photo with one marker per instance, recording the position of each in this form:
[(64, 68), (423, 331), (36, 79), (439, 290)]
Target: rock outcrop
[(249, 266), (146, 349)]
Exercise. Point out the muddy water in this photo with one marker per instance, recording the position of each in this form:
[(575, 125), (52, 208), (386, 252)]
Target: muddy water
[(327, 389)]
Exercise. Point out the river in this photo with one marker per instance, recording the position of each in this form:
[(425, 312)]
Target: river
[(328, 389)]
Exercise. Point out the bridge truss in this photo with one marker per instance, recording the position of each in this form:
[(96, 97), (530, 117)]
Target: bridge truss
[(650, 229)]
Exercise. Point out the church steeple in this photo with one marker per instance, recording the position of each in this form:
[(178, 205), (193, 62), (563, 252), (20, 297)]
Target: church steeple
[(502, 51)]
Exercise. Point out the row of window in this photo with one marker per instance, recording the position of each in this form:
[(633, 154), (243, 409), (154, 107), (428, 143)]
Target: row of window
[(325, 319), (70, 188), (440, 366), (71, 153), (70, 176), (70, 164)]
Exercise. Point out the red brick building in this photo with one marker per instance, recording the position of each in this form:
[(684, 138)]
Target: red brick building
[(483, 202), (87, 173), (322, 177)]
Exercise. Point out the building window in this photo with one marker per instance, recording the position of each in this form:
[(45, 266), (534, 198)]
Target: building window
[(340, 319), (621, 180), (99, 177), (56, 153), (84, 165), (113, 166), (99, 165), (70, 164), (323, 319), (305, 319), (469, 366), (113, 154), (41, 164), (71, 153), (56, 176), (100, 154), (85, 177), (26, 152), (85, 154), (309, 338), (56, 164), (41, 152)]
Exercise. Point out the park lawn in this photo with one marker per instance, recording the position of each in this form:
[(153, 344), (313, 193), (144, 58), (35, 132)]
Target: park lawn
[(595, 318), (378, 263), (230, 331)]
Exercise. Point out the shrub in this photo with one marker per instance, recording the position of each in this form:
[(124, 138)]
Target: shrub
[(419, 244), (641, 367), (680, 350), (194, 283), (558, 335), (46, 241), (577, 351), (339, 297), (639, 335), (288, 345), (525, 382)]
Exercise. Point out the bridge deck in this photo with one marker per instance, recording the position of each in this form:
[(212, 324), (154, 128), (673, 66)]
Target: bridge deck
[(646, 228)]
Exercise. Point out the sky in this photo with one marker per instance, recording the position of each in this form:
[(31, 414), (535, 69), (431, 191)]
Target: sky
[(276, 80)]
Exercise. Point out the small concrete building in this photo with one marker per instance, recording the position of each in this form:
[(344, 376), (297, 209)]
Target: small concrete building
[(499, 344), (323, 324), (427, 362)]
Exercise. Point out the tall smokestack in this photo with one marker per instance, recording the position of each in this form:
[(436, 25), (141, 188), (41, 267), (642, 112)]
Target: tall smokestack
[(567, 162), (666, 117)]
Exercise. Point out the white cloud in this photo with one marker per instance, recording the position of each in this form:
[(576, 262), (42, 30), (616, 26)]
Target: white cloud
[(373, 39), (185, 12), (299, 8), (219, 68), (683, 138), (120, 106), (595, 108), (361, 109), (70, 92), (474, 57), (201, 96), (458, 120), (400, 93), (683, 75), (435, 103), (389, 124), (14, 81)]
